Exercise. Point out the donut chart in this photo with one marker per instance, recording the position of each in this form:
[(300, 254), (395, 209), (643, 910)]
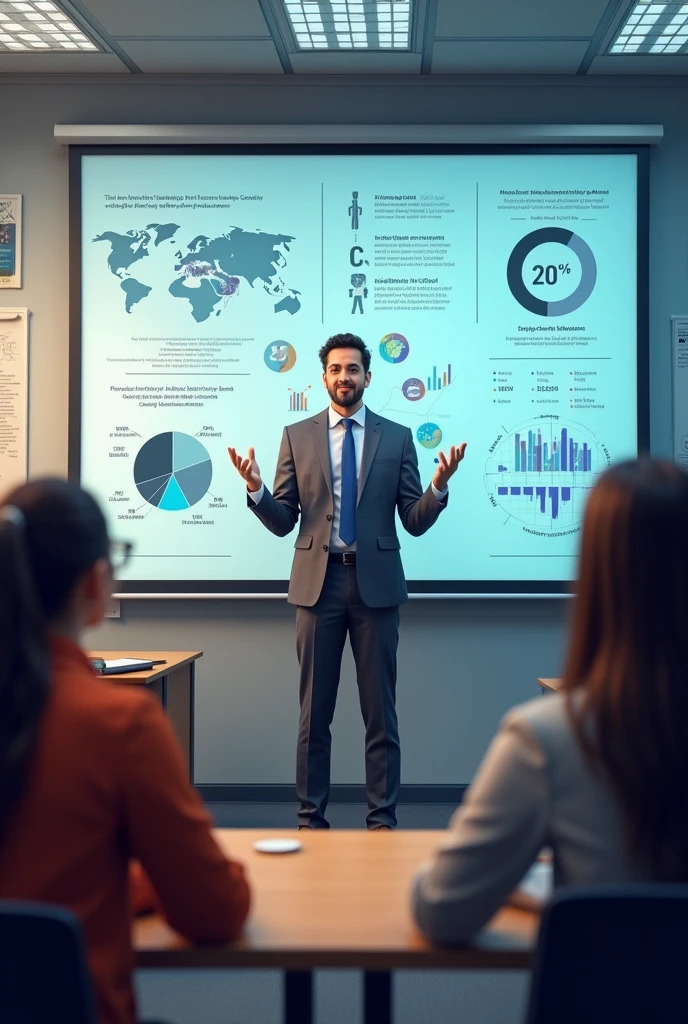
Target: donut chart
[(172, 471), (520, 253)]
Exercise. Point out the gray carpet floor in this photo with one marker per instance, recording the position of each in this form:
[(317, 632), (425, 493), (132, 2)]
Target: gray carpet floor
[(283, 815)]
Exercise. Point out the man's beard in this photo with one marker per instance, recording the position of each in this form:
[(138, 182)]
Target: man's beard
[(348, 398)]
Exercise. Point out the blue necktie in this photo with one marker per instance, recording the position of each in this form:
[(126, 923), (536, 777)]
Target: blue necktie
[(347, 518)]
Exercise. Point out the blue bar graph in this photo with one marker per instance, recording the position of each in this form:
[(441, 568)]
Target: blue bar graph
[(558, 498), (564, 455), (439, 380), (542, 473)]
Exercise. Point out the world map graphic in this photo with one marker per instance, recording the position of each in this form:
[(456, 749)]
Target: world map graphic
[(208, 273)]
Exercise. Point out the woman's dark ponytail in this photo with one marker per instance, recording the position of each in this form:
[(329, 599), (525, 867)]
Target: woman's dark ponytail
[(24, 665), (51, 532)]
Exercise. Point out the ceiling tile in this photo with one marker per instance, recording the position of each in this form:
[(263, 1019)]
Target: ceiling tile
[(633, 64), (162, 18), (325, 62), (507, 57), (511, 18), (60, 63), (203, 57)]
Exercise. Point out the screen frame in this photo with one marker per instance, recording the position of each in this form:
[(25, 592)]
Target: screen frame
[(278, 588)]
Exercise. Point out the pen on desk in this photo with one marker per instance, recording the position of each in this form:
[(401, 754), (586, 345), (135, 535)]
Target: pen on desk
[(163, 662)]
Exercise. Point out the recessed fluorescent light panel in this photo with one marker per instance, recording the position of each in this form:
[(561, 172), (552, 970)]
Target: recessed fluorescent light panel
[(350, 24), (39, 25), (654, 28)]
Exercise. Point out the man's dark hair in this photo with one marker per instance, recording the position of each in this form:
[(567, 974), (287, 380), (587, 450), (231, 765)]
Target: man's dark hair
[(345, 341)]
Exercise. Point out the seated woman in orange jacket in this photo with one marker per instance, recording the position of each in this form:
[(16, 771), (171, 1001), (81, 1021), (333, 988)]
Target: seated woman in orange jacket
[(91, 775)]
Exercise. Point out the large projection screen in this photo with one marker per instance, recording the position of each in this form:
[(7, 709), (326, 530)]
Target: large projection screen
[(503, 294)]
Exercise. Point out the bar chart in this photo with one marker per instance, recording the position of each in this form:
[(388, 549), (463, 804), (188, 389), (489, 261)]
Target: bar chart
[(558, 497), (298, 400), (559, 455), (542, 473), (439, 379)]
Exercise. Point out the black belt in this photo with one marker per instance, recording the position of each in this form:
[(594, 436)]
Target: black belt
[(343, 557)]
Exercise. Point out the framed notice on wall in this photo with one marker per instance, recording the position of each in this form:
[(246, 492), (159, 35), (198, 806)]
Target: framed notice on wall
[(14, 405), (10, 241), (679, 345)]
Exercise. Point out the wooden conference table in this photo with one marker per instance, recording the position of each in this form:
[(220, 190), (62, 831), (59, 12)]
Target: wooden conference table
[(174, 683), (341, 902)]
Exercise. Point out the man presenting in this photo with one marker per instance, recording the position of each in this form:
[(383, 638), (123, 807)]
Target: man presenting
[(345, 471)]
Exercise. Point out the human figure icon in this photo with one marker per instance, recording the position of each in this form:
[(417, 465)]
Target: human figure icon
[(8, 351), (355, 211), (358, 291)]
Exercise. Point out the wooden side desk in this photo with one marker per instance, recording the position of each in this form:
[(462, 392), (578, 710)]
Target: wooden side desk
[(549, 685), (174, 683), (343, 901)]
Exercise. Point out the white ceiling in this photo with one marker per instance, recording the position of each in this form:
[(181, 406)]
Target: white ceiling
[(550, 37)]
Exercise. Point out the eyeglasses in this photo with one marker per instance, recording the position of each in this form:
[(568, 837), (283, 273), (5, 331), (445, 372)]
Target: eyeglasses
[(120, 553)]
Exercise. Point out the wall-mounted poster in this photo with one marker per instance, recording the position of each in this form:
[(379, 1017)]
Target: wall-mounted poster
[(10, 241), (14, 394), (679, 339)]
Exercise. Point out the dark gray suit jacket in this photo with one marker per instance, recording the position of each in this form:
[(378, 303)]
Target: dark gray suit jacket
[(388, 480)]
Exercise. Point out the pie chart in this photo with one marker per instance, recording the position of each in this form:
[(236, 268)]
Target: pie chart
[(172, 471)]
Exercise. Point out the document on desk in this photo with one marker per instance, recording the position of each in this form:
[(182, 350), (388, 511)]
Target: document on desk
[(535, 888), (14, 391), (115, 665)]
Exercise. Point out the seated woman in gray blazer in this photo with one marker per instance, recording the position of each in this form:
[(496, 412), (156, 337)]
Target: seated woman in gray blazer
[(598, 771)]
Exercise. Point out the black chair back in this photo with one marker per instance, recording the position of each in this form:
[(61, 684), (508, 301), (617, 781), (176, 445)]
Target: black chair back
[(44, 978), (613, 955)]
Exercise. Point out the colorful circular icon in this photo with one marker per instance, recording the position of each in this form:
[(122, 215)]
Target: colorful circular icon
[(279, 356), (429, 435), (413, 389), (394, 348)]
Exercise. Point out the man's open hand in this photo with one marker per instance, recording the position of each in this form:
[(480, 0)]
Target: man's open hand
[(247, 468), (448, 466)]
